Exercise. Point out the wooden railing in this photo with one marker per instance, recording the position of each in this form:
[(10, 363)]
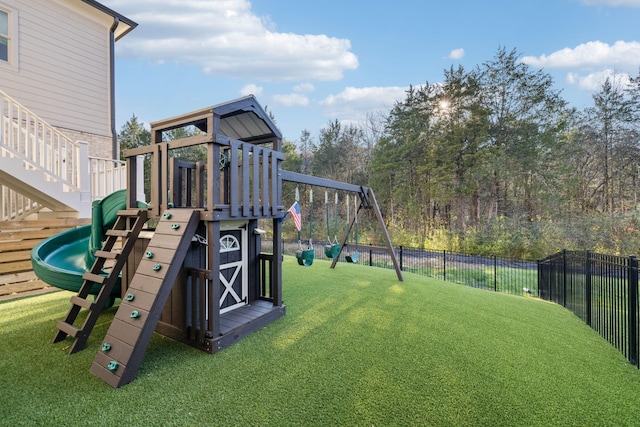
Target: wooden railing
[(237, 180)]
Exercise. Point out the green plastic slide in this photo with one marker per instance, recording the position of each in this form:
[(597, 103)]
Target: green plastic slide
[(61, 260)]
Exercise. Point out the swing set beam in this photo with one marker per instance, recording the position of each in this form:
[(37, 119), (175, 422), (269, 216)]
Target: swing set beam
[(367, 200), (326, 183)]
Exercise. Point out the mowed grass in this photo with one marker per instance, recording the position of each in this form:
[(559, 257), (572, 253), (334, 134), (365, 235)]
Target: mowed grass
[(356, 348)]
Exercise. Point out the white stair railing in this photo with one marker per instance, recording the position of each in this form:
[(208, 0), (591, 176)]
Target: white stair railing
[(41, 147), (15, 206)]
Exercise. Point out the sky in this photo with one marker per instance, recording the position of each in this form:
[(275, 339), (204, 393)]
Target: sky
[(312, 62)]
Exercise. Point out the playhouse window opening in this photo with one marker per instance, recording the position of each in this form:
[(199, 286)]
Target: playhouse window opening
[(181, 132)]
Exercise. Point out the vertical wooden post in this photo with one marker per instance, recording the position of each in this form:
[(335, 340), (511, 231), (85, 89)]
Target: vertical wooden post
[(213, 163), (155, 180), (267, 185), (213, 264), (272, 167), (246, 180), (255, 188), (175, 182), (376, 209), (234, 201), (200, 174), (213, 168), (276, 265), (276, 194), (164, 177)]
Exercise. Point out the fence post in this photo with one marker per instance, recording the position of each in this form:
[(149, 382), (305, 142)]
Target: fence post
[(444, 264), (633, 309), (587, 285), (370, 255), (539, 274), (495, 273), (564, 278), (401, 267)]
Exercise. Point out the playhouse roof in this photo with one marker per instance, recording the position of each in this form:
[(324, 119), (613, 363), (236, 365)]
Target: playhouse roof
[(245, 119)]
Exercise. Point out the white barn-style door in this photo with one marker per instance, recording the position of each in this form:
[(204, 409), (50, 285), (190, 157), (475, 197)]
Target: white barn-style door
[(233, 267)]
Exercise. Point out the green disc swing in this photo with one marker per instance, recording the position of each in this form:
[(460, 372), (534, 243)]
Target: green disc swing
[(331, 249), (305, 256), (353, 257)]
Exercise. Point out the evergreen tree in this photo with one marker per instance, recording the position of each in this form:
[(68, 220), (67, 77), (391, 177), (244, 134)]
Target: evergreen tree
[(133, 134)]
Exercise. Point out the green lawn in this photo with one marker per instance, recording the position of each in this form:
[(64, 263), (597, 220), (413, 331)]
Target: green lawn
[(356, 348)]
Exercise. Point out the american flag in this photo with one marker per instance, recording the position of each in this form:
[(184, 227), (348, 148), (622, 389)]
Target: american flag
[(294, 210)]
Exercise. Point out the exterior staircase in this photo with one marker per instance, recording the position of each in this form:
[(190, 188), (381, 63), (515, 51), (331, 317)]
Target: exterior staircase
[(42, 168)]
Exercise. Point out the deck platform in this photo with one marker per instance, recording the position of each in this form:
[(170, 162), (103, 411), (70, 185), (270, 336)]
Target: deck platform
[(234, 325), (237, 324)]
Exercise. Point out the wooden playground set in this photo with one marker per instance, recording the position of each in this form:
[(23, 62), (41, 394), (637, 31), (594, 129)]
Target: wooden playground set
[(188, 262)]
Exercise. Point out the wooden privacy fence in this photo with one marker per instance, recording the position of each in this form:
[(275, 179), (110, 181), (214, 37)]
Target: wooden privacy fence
[(600, 289), (17, 238)]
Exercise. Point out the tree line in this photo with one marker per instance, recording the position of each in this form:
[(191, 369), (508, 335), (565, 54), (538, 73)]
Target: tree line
[(490, 160), (494, 160)]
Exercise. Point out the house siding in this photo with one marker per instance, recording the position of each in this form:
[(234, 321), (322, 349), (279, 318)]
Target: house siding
[(63, 69)]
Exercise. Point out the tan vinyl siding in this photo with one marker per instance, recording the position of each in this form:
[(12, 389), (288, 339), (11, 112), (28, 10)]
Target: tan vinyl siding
[(63, 72)]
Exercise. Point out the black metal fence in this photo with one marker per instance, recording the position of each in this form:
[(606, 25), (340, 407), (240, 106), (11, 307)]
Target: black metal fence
[(508, 275), (513, 276), (600, 289)]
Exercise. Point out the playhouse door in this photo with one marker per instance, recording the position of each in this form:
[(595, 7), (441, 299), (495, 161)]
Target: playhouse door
[(233, 268)]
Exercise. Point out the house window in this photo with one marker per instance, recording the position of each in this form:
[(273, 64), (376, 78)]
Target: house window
[(4, 36)]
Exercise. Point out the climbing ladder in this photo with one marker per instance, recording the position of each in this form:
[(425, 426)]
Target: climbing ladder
[(127, 227), (123, 349)]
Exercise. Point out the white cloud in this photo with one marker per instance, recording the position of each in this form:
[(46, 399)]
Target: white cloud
[(304, 87), (595, 54), (593, 82), (251, 89), (225, 38), (291, 100), (632, 3), (456, 54), (355, 103)]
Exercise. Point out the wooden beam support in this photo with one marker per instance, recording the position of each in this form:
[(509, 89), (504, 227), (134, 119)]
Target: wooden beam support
[(320, 182), (376, 209)]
